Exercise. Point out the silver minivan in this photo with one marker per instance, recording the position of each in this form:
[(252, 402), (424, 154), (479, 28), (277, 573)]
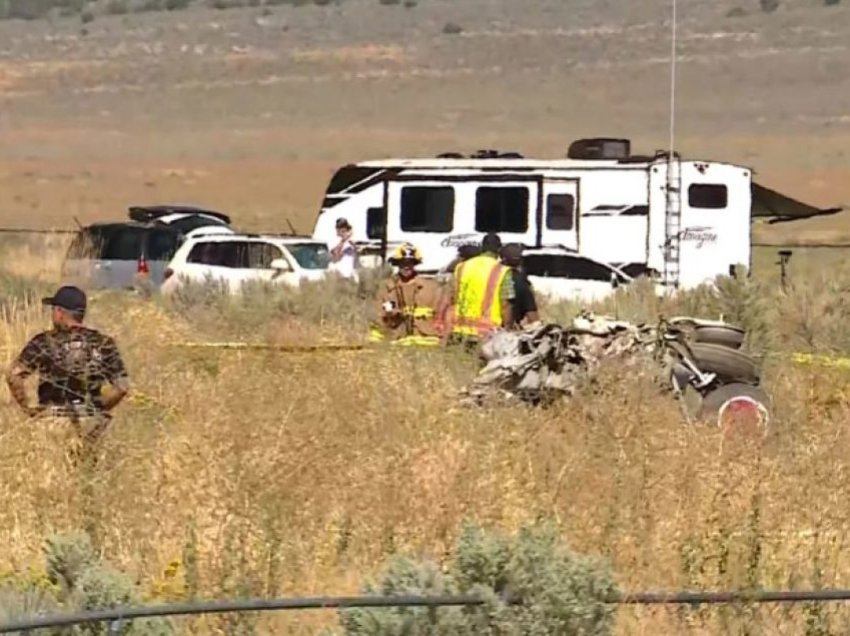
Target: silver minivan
[(112, 255)]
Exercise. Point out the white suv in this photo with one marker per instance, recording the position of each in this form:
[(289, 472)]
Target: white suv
[(236, 259)]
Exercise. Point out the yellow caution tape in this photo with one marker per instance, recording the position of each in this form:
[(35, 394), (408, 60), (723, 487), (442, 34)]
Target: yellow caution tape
[(417, 341), (821, 360), (377, 335), (268, 347)]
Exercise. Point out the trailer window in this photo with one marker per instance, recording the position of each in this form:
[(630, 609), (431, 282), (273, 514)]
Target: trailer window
[(427, 209), (559, 212), (708, 196), (375, 220), (501, 209)]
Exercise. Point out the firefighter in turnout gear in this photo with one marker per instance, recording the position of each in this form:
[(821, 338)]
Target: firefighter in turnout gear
[(482, 292), (408, 303)]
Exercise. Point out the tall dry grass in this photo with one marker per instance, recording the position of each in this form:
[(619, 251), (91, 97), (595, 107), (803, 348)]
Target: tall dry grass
[(233, 473)]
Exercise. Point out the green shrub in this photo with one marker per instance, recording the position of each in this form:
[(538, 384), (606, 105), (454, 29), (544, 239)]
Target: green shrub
[(16, 290), (27, 9), (336, 302), (68, 556), (76, 580), (531, 584), (450, 28), (21, 602)]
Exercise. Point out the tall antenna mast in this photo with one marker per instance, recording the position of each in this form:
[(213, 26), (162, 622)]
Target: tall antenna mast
[(673, 52), (673, 212)]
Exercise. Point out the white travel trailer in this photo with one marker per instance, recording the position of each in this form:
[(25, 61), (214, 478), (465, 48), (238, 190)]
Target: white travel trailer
[(686, 227)]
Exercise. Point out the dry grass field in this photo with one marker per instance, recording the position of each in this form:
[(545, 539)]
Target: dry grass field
[(256, 473), (233, 473)]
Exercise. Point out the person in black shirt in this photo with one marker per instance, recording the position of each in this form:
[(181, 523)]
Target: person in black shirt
[(75, 365), (524, 302)]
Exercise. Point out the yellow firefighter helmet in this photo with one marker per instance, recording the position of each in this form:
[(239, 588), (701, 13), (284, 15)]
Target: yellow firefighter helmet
[(406, 252)]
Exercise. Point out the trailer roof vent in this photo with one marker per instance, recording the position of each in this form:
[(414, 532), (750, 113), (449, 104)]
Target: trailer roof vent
[(600, 148)]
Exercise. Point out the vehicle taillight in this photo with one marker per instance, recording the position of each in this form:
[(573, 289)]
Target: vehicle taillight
[(168, 273), (142, 266)]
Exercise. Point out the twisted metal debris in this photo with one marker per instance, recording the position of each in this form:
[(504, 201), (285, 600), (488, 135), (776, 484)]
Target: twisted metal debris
[(545, 362)]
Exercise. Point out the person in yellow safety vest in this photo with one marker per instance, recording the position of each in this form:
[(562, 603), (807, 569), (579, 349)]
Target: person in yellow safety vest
[(408, 302), (482, 292), (445, 310)]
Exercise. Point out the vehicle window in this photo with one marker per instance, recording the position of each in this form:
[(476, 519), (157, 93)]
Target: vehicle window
[(427, 209), (202, 254), (376, 218), (219, 254), (123, 244), (261, 255), (501, 209), (161, 245), (193, 222), (561, 266), (310, 255), (708, 196), (560, 210)]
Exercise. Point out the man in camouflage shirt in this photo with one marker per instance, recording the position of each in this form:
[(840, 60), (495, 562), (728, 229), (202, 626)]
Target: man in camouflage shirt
[(75, 365)]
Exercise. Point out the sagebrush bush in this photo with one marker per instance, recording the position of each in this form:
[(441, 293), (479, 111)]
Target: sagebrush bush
[(76, 580), (68, 557), (19, 602), (337, 302), (532, 584)]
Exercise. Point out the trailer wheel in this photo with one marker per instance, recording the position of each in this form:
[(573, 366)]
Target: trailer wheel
[(730, 337), (736, 406), (730, 365)]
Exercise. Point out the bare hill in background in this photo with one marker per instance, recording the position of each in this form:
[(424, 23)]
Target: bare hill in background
[(249, 109)]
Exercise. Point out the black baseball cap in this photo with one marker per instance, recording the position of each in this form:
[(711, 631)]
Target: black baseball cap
[(69, 298)]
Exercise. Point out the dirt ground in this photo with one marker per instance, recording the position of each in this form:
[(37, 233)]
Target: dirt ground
[(250, 110)]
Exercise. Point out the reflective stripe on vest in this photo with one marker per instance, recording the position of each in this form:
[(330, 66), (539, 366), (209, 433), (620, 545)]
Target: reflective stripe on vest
[(478, 310), (418, 312)]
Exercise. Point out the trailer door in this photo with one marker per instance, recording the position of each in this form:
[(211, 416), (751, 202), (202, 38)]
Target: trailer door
[(715, 226), (559, 213)]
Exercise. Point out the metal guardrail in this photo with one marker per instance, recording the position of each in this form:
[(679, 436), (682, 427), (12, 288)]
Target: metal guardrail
[(118, 615)]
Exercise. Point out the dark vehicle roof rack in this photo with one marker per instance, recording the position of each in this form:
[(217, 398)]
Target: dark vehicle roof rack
[(148, 213), (482, 154)]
